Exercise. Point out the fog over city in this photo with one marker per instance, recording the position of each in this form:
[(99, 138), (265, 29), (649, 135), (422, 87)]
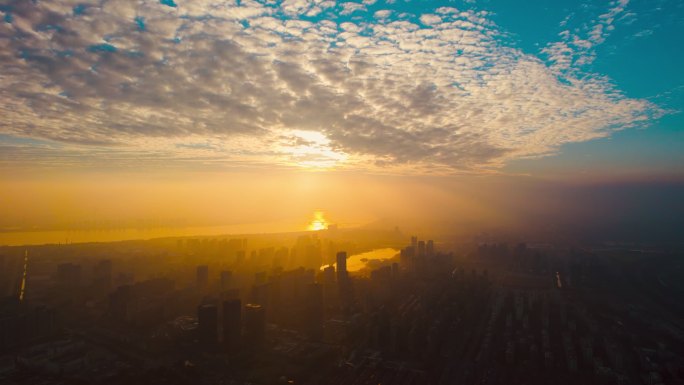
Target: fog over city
[(341, 192)]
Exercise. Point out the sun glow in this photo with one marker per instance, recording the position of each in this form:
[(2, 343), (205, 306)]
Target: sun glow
[(311, 150), (319, 222)]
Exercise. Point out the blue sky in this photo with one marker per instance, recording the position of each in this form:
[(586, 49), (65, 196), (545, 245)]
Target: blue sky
[(546, 88), (641, 58)]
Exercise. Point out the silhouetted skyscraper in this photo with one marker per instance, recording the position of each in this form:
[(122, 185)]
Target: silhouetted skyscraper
[(226, 279), (255, 325), (69, 274), (313, 310), (328, 275), (202, 275), (102, 275), (232, 324), (430, 248), (341, 266), (207, 319), (118, 303), (421, 248)]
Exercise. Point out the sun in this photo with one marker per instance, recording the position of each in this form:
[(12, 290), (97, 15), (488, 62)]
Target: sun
[(319, 223)]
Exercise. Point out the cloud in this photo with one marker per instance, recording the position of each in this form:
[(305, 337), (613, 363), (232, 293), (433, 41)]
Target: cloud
[(227, 83), (578, 48), (430, 19), (382, 14), (349, 8)]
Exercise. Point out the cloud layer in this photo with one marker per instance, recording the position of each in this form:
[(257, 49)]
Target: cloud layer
[(297, 82)]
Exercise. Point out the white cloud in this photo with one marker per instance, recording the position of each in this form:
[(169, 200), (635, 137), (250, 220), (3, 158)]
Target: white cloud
[(235, 89), (576, 50), (430, 19), (382, 14), (349, 8)]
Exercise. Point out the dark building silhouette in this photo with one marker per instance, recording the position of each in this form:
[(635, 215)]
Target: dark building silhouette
[(231, 324), (260, 294), (421, 248), (20, 324), (69, 274), (255, 325), (341, 266), (102, 275), (118, 303), (328, 275), (226, 279), (202, 275), (313, 310), (207, 318)]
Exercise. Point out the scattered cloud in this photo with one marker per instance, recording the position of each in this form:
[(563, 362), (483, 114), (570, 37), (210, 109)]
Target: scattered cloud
[(382, 14), (349, 8), (577, 48), (256, 83), (430, 19)]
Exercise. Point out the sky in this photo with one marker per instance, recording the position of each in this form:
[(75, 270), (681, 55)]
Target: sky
[(253, 95)]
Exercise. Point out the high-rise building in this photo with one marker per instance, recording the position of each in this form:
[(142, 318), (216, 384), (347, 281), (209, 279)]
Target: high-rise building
[(102, 275), (328, 275), (260, 294), (226, 279), (430, 248), (313, 310), (118, 303), (207, 319), (421, 248), (202, 275), (232, 324), (255, 325), (69, 274), (260, 278), (341, 266)]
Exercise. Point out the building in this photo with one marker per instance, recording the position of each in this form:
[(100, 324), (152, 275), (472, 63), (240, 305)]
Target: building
[(207, 328), (226, 279), (313, 310), (69, 274), (328, 275), (231, 324), (255, 325), (421, 248), (102, 275), (202, 275), (341, 266)]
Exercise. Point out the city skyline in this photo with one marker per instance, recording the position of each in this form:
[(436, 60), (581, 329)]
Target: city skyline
[(341, 192)]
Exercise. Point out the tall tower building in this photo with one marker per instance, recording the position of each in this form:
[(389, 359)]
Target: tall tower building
[(255, 325), (207, 317), (232, 324), (430, 248), (202, 275), (313, 310), (341, 266), (421, 248), (69, 275), (226, 279), (328, 275), (102, 275)]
